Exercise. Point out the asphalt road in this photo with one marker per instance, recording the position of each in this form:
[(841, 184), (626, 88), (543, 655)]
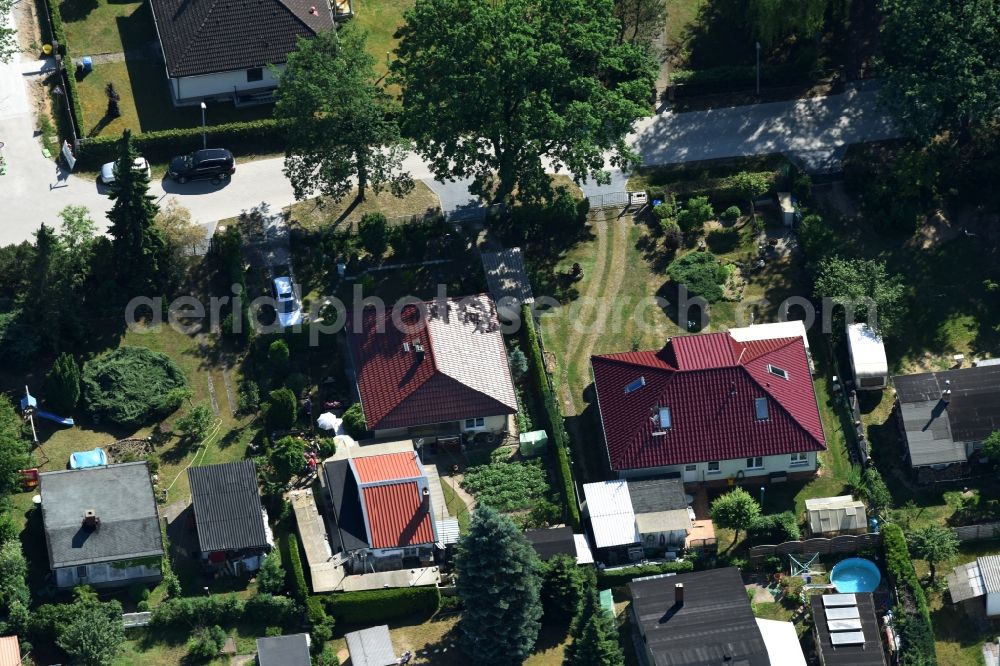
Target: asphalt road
[(34, 190)]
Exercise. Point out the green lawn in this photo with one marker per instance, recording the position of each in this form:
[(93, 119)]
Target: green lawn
[(381, 18), (101, 26)]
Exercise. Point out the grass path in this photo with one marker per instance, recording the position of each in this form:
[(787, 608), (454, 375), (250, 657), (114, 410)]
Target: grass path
[(585, 321)]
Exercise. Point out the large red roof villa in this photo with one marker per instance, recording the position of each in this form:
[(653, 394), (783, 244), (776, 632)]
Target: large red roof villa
[(710, 408)]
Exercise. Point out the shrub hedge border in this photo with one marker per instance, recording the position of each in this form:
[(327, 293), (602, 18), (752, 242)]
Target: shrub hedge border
[(554, 417), (69, 79), (300, 590), (917, 630), (373, 606)]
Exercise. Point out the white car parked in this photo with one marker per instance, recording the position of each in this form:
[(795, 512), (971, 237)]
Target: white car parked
[(108, 170), (289, 310)]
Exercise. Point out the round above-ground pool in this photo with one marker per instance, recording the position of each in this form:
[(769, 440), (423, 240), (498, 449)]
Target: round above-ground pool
[(855, 574)]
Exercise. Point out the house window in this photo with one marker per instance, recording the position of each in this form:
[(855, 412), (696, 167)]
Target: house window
[(713, 467), (798, 459), (81, 572), (777, 372), (755, 463), (693, 468), (475, 423), (255, 74), (760, 409)]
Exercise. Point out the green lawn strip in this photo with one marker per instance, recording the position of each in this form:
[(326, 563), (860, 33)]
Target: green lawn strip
[(109, 27)]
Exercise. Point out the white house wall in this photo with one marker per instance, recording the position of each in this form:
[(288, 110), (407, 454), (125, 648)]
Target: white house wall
[(993, 604), (188, 90), (728, 469), (106, 574)]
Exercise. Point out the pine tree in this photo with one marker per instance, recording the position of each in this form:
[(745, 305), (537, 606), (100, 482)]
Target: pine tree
[(62, 384), (563, 588), (499, 583), (137, 243), (595, 638)]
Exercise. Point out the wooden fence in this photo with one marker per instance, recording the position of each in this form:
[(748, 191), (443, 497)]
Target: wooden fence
[(977, 532), (846, 543)]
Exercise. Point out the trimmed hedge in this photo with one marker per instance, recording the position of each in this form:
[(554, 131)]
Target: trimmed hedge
[(59, 35), (742, 77), (375, 606), (553, 415), (607, 579), (915, 620), (265, 135), (297, 584)]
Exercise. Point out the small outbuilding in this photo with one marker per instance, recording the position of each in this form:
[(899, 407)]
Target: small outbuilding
[(836, 515), (868, 361), (371, 647), (977, 579), (291, 650)]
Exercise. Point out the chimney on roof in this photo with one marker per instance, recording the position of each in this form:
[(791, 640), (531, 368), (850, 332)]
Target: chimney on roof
[(425, 500), (90, 520), (312, 10), (946, 394), (678, 594), (732, 389)]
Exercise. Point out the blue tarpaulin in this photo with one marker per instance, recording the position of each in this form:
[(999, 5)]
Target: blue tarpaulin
[(84, 459)]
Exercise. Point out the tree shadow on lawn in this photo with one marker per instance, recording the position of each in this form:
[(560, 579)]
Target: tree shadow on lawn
[(76, 10)]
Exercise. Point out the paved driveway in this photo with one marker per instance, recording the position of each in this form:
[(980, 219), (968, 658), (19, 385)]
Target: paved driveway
[(35, 190)]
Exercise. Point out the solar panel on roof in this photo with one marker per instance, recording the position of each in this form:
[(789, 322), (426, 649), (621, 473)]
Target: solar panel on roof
[(843, 613), (853, 624), (835, 600), (847, 638)]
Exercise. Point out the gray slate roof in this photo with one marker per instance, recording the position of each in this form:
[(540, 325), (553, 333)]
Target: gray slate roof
[(371, 647), (227, 510), (937, 429), (290, 650), (656, 495), (715, 622), (122, 497), (207, 36)]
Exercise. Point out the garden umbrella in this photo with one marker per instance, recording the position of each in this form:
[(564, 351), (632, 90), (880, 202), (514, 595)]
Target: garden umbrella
[(328, 421)]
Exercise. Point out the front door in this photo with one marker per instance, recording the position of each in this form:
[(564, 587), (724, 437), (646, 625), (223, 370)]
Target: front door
[(690, 474)]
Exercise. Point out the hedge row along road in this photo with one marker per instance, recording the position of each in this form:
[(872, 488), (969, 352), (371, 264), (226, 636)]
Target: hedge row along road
[(35, 191)]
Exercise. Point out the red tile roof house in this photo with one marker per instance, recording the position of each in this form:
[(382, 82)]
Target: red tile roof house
[(444, 374), (382, 512), (710, 408)]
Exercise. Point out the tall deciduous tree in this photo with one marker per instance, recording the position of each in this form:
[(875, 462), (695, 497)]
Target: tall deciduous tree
[(940, 71), (95, 634), (736, 510), (62, 384), (499, 583), (934, 544), (337, 121), (138, 244), (859, 284), (595, 637), (640, 21), (501, 91)]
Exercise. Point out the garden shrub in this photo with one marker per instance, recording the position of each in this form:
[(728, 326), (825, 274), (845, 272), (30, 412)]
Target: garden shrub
[(249, 396), (354, 421), (190, 612), (700, 273), (297, 383), (271, 577), (269, 608), (555, 425), (721, 241), (612, 578), (132, 386), (282, 410), (697, 211), (287, 457), (377, 606), (672, 234), (507, 486), (206, 643), (732, 213), (297, 584), (373, 231), (62, 384), (775, 528), (913, 613), (277, 355)]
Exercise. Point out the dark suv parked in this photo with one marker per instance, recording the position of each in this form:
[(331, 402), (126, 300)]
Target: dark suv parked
[(214, 163)]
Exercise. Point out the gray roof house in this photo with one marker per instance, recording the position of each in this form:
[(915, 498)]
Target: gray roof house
[(232, 526), (944, 416), (101, 525), (292, 650)]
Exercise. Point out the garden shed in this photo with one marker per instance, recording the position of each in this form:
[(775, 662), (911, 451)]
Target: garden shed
[(533, 443), (868, 361), (836, 515)]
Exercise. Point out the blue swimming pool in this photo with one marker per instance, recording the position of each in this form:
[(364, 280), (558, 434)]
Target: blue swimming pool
[(855, 574)]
